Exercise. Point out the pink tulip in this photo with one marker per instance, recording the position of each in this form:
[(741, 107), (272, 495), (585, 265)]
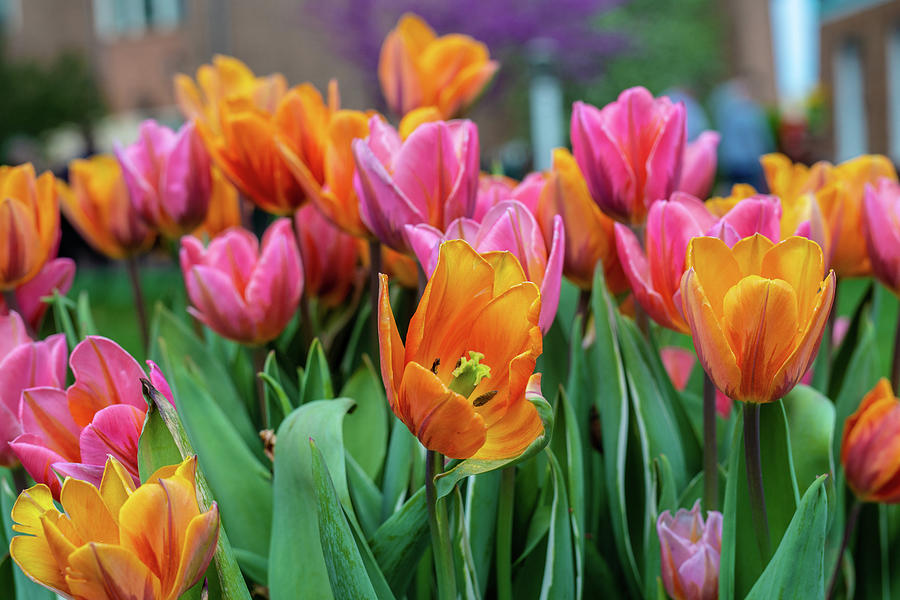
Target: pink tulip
[(430, 178), (881, 218), (239, 291), (689, 551), (698, 167), (23, 364), (655, 276), (493, 189), (71, 432), (630, 151), (329, 256), (56, 274), (168, 177), (509, 226)]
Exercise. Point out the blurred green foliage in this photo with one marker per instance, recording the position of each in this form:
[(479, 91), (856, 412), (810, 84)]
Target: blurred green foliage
[(39, 97), (669, 44)]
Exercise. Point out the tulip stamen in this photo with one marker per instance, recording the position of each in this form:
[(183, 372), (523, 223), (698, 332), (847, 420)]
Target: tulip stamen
[(435, 365), (484, 398)]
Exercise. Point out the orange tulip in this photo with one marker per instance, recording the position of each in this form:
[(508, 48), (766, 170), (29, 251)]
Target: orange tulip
[(416, 68), (841, 203), (29, 223), (117, 541), (789, 180), (98, 206), (756, 312), (719, 206), (870, 447), (460, 382), (590, 236), (225, 208), (247, 151), (226, 79)]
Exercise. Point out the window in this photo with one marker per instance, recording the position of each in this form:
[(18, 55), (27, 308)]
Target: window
[(850, 133), (114, 18), (10, 14), (893, 93)]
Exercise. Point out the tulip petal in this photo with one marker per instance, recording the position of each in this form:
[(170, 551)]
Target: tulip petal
[(716, 270), (389, 344), (115, 431), (552, 279), (34, 557), (799, 262), (110, 572), (37, 460), (44, 412), (29, 507), (199, 546), (105, 374), (88, 512)]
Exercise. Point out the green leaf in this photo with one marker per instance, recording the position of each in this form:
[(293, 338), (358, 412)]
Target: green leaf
[(346, 571), (399, 543), (559, 567), (482, 496), (156, 447), (862, 375), (365, 495), (729, 515), (797, 568), (295, 540), (83, 313), (316, 384), (566, 446), (230, 581), (366, 428), (398, 468), (445, 482), (811, 419), (278, 403), (63, 319)]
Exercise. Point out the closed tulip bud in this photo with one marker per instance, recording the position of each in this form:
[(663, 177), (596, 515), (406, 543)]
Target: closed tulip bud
[(70, 432), (56, 275), (430, 178), (418, 69), (97, 204), (226, 80), (329, 256), (29, 224), (698, 170), (882, 228), (168, 177), (756, 312), (509, 227), (870, 447), (24, 363), (116, 539), (240, 291), (460, 383), (689, 549), (630, 151), (590, 236)]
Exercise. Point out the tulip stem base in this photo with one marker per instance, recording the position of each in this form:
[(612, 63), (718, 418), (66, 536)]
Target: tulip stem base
[(134, 277), (848, 531), (755, 479), (374, 269), (12, 303), (710, 446), (505, 508), (440, 531)]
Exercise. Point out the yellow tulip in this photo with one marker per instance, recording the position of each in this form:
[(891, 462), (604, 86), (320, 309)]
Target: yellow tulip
[(756, 312), (117, 541)]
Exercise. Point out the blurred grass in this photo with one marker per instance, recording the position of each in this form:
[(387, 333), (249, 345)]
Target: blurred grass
[(112, 302)]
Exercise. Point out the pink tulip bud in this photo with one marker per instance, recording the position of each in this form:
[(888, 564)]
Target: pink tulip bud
[(329, 256), (698, 168), (430, 178), (881, 214), (71, 432), (168, 177), (630, 151), (24, 364), (56, 274), (689, 551), (239, 291), (493, 189), (511, 227)]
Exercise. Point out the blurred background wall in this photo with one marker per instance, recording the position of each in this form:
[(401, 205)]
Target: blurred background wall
[(821, 76)]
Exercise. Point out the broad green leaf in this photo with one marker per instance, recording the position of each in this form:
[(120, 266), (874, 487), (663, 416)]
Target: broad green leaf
[(295, 540), (730, 512), (346, 571), (365, 495), (366, 428), (316, 383), (862, 375), (482, 496), (400, 542), (397, 468), (230, 583), (797, 568), (559, 568), (445, 482), (156, 447), (811, 419), (566, 447)]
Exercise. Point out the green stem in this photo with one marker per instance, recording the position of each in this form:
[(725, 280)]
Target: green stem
[(140, 308), (895, 363), (710, 447), (755, 479), (848, 531), (259, 365), (505, 509), (438, 523), (12, 303)]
